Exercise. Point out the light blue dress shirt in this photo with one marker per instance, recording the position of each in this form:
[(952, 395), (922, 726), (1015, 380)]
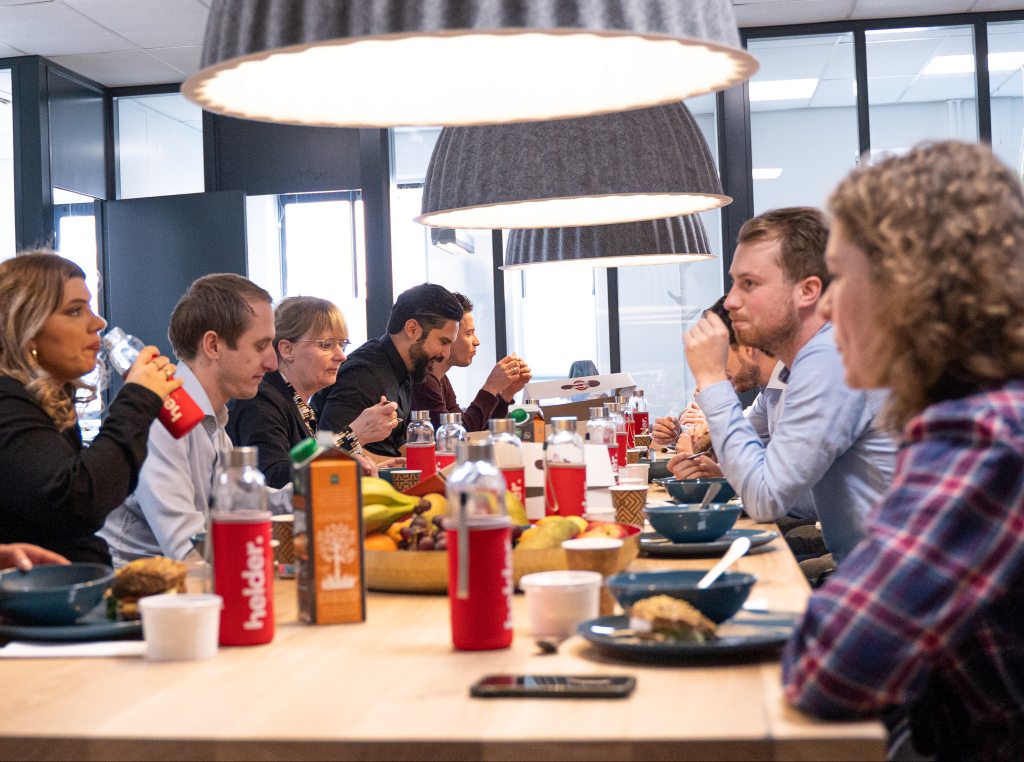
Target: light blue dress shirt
[(172, 500), (824, 439)]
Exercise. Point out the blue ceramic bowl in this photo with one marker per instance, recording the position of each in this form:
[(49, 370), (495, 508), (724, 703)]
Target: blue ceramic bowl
[(724, 598), (692, 490), (53, 594), (687, 523)]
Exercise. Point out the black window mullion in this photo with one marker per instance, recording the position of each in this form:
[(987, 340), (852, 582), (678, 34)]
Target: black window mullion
[(500, 325), (614, 349), (860, 62), (981, 81)]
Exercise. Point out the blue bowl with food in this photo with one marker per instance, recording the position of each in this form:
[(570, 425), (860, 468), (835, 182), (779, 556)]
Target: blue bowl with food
[(693, 490), (724, 598), (688, 523), (54, 594)]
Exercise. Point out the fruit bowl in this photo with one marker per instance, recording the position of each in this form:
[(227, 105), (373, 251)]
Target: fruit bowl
[(426, 571)]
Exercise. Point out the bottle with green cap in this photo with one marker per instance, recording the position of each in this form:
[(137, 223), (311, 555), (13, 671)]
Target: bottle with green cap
[(529, 420)]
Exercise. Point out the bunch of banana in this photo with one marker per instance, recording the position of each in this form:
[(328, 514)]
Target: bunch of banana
[(383, 505)]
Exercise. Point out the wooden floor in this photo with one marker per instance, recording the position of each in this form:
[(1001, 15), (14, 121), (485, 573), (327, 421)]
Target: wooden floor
[(393, 688)]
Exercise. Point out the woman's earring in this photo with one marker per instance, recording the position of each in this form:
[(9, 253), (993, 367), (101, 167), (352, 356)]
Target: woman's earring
[(34, 354)]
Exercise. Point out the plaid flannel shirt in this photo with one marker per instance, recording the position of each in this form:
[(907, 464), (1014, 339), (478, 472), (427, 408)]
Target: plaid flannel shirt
[(928, 610)]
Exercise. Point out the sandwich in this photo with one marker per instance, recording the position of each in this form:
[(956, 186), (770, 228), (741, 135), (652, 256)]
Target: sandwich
[(665, 618), (146, 576)]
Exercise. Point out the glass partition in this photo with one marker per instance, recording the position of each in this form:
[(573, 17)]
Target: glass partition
[(921, 86), (8, 239), (1006, 88), (658, 303), (415, 259), (803, 119), (159, 146)]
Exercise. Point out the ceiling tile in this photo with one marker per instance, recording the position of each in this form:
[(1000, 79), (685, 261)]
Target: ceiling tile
[(904, 57), (51, 29), (149, 23), (186, 59), (884, 9), (23, 2), (796, 62), (6, 51), (792, 12), (887, 89), (929, 89), (127, 67), (999, 5), (834, 93)]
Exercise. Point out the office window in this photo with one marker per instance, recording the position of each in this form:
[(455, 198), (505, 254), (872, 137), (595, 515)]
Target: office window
[(8, 243), (921, 86), (1006, 87), (658, 303), (803, 119), (415, 260), (160, 146)]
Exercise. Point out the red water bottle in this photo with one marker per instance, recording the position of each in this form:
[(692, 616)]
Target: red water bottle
[(479, 536), (180, 413), (613, 410), (565, 470), (420, 454), (641, 419), (243, 572)]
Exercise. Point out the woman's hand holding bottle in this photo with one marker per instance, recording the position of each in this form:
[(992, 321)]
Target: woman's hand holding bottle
[(155, 372)]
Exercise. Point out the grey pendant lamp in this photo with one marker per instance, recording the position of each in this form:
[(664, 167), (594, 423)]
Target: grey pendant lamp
[(449, 240), (383, 63), (651, 242), (644, 164)]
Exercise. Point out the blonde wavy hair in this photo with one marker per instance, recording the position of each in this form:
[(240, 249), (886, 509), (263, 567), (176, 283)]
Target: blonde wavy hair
[(298, 315), (943, 231), (32, 289)]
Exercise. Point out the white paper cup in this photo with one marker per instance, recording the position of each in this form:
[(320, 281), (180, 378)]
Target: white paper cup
[(636, 481), (181, 627), (638, 471), (600, 514), (559, 601)]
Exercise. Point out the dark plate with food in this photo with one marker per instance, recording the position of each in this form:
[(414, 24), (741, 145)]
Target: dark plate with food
[(93, 626), (670, 631), (654, 544)]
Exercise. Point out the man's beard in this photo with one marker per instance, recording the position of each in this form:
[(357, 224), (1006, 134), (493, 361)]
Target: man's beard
[(422, 363), (748, 378), (770, 340)]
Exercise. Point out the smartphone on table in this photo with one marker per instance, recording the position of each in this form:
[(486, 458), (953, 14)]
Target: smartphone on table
[(553, 686)]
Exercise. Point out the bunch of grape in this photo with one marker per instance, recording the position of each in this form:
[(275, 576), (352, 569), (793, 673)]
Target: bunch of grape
[(422, 534)]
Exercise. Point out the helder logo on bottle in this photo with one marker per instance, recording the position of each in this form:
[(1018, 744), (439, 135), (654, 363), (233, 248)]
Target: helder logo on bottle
[(255, 578), (171, 406)]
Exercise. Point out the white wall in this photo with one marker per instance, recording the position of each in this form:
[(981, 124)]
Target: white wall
[(7, 237), (1007, 130), (263, 243), (158, 155)]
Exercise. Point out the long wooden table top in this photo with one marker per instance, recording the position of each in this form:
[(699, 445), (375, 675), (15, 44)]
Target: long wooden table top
[(394, 688)]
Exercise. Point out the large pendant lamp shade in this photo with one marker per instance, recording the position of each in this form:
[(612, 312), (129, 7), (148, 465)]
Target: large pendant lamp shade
[(595, 170), (383, 63), (651, 242)]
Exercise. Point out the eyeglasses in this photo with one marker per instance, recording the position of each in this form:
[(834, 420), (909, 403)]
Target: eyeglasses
[(327, 346)]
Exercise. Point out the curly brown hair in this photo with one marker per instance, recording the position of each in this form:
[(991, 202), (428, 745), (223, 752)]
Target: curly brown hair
[(943, 231)]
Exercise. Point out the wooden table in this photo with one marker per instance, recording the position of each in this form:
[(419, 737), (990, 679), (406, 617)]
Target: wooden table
[(394, 688)]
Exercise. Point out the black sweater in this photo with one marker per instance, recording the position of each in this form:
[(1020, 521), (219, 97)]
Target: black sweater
[(271, 422), (53, 491)]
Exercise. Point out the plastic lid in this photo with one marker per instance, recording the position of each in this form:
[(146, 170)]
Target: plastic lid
[(305, 451), (564, 423), (502, 426), (564, 580), (518, 415), (474, 451), (420, 415), (238, 457), (451, 418)]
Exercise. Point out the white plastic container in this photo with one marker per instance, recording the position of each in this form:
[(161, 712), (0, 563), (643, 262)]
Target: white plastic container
[(181, 627), (559, 601)]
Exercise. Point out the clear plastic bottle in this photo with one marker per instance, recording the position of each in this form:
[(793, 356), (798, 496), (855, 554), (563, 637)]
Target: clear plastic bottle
[(242, 558), (565, 469), (508, 455), (449, 433), (479, 539), (420, 453), (601, 431), (638, 406), (179, 413), (627, 415), (613, 410)]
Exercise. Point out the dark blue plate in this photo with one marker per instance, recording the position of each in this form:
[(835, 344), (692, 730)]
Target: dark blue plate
[(653, 544), (92, 626), (748, 634)]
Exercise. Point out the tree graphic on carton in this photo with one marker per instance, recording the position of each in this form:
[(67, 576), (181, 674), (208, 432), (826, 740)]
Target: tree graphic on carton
[(337, 545)]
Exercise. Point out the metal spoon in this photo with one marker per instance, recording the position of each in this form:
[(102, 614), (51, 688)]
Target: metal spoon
[(710, 495), (738, 548)]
